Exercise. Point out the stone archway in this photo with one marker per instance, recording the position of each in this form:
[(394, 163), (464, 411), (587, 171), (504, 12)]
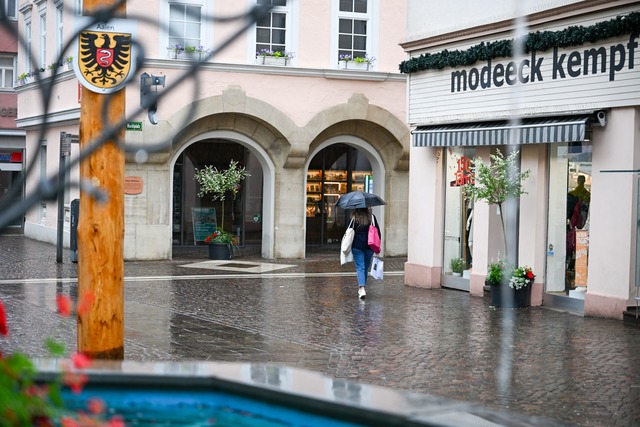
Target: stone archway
[(268, 184)]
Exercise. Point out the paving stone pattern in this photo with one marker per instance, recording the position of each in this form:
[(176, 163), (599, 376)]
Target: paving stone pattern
[(533, 361)]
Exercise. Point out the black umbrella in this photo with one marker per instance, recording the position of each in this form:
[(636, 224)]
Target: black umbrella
[(359, 199)]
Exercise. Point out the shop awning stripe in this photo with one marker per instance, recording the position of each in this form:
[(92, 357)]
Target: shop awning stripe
[(529, 131)]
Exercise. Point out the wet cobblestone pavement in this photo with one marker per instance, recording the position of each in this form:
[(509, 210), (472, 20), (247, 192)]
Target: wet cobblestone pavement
[(534, 361)]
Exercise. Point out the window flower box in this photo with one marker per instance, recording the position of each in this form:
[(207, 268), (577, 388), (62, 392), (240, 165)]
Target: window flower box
[(357, 63), (277, 58)]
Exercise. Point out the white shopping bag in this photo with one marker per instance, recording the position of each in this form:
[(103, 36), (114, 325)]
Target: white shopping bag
[(377, 268)]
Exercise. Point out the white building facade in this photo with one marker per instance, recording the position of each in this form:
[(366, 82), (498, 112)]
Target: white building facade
[(307, 130), (568, 99)]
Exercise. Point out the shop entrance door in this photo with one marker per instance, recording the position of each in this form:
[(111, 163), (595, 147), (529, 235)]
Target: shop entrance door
[(10, 176), (334, 171), (458, 221), (243, 214), (568, 225)]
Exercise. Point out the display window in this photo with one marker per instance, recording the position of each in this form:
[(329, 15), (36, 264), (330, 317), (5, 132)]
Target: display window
[(458, 221), (334, 171), (568, 219)]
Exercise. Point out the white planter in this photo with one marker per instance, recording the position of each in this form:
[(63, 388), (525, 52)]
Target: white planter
[(273, 60), (352, 65), (192, 56)]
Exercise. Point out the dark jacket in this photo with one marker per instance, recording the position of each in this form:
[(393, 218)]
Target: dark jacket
[(361, 236)]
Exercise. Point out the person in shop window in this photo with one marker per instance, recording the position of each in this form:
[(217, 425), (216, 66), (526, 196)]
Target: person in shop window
[(577, 212), (360, 249)]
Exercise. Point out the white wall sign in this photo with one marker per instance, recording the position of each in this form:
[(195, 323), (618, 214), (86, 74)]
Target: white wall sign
[(560, 80)]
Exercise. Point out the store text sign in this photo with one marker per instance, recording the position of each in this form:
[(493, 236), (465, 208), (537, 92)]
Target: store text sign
[(602, 60), (463, 174)]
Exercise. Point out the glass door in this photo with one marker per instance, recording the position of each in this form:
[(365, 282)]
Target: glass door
[(568, 224), (458, 220)]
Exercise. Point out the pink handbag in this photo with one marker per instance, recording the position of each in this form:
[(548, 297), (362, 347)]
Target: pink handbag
[(374, 238)]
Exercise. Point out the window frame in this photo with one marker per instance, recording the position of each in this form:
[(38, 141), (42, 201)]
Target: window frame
[(205, 24), (8, 82), (12, 14), (372, 17), (291, 30), (42, 38), (283, 10), (185, 23)]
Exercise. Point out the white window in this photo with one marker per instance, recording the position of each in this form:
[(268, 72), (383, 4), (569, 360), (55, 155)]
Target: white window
[(27, 38), (354, 17), (185, 24), (43, 40), (11, 9), (7, 71), (271, 30), (59, 32), (78, 7)]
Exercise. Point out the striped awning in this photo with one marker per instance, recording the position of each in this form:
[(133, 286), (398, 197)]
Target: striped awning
[(527, 131)]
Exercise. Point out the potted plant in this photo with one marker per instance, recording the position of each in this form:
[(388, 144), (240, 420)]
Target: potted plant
[(497, 182), (22, 78), (219, 183), (222, 245), (274, 57), (495, 273), (175, 50), (522, 278), (69, 61), (356, 63), (457, 266)]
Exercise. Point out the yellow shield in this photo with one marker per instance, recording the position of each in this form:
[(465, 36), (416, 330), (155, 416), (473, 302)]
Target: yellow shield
[(104, 59)]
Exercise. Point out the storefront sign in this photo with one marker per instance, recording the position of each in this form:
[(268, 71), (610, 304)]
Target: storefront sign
[(463, 174), (204, 223), (8, 112), (533, 84), (133, 185), (607, 61), (11, 157)]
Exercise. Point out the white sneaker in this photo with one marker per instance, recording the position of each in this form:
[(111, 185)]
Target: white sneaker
[(361, 293)]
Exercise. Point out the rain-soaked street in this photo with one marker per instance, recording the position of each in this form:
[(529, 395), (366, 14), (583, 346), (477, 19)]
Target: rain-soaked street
[(305, 314)]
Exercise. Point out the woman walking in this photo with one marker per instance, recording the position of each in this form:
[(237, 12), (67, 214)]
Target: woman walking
[(360, 249)]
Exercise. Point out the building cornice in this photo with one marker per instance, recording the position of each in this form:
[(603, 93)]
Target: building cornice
[(58, 117), (509, 25)]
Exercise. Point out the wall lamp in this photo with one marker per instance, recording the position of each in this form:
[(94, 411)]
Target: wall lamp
[(148, 94)]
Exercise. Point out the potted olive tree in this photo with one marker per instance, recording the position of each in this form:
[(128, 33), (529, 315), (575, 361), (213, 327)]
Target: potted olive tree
[(497, 182), (219, 183)]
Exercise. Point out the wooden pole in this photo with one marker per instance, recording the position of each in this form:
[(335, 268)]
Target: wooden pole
[(101, 226)]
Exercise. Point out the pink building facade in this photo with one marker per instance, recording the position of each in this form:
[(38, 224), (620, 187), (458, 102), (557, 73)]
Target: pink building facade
[(307, 130)]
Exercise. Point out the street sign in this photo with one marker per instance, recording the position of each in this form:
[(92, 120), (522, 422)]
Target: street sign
[(134, 126)]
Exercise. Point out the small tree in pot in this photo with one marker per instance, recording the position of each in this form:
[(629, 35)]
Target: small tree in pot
[(497, 182), (219, 183)]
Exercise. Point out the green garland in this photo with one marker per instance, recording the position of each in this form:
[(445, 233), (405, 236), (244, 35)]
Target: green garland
[(538, 41)]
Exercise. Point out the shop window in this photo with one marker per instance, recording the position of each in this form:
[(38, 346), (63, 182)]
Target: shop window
[(458, 221), (568, 219), (334, 171)]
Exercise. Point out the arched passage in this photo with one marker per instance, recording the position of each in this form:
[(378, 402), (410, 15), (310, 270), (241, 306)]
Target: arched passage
[(264, 213), (336, 166)]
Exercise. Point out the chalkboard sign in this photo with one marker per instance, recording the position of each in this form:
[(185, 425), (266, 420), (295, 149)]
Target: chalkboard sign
[(204, 223)]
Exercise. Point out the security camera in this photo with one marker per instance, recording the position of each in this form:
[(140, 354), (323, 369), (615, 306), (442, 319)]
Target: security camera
[(602, 118)]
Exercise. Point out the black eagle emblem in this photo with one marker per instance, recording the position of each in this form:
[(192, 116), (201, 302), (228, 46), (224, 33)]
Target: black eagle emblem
[(105, 58)]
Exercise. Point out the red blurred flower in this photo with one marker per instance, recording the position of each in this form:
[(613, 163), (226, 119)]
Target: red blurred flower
[(85, 304), (3, 320), (81, 361), (96, 406), (529, 275), (116, 422), (64, 305)]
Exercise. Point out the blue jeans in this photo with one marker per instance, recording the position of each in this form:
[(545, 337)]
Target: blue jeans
[(362, 260)]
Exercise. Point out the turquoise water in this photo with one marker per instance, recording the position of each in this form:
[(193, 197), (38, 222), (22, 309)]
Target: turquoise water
[(146, 407)]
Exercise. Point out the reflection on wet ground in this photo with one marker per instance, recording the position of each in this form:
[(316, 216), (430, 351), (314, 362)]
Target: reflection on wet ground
[(581, 371)]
